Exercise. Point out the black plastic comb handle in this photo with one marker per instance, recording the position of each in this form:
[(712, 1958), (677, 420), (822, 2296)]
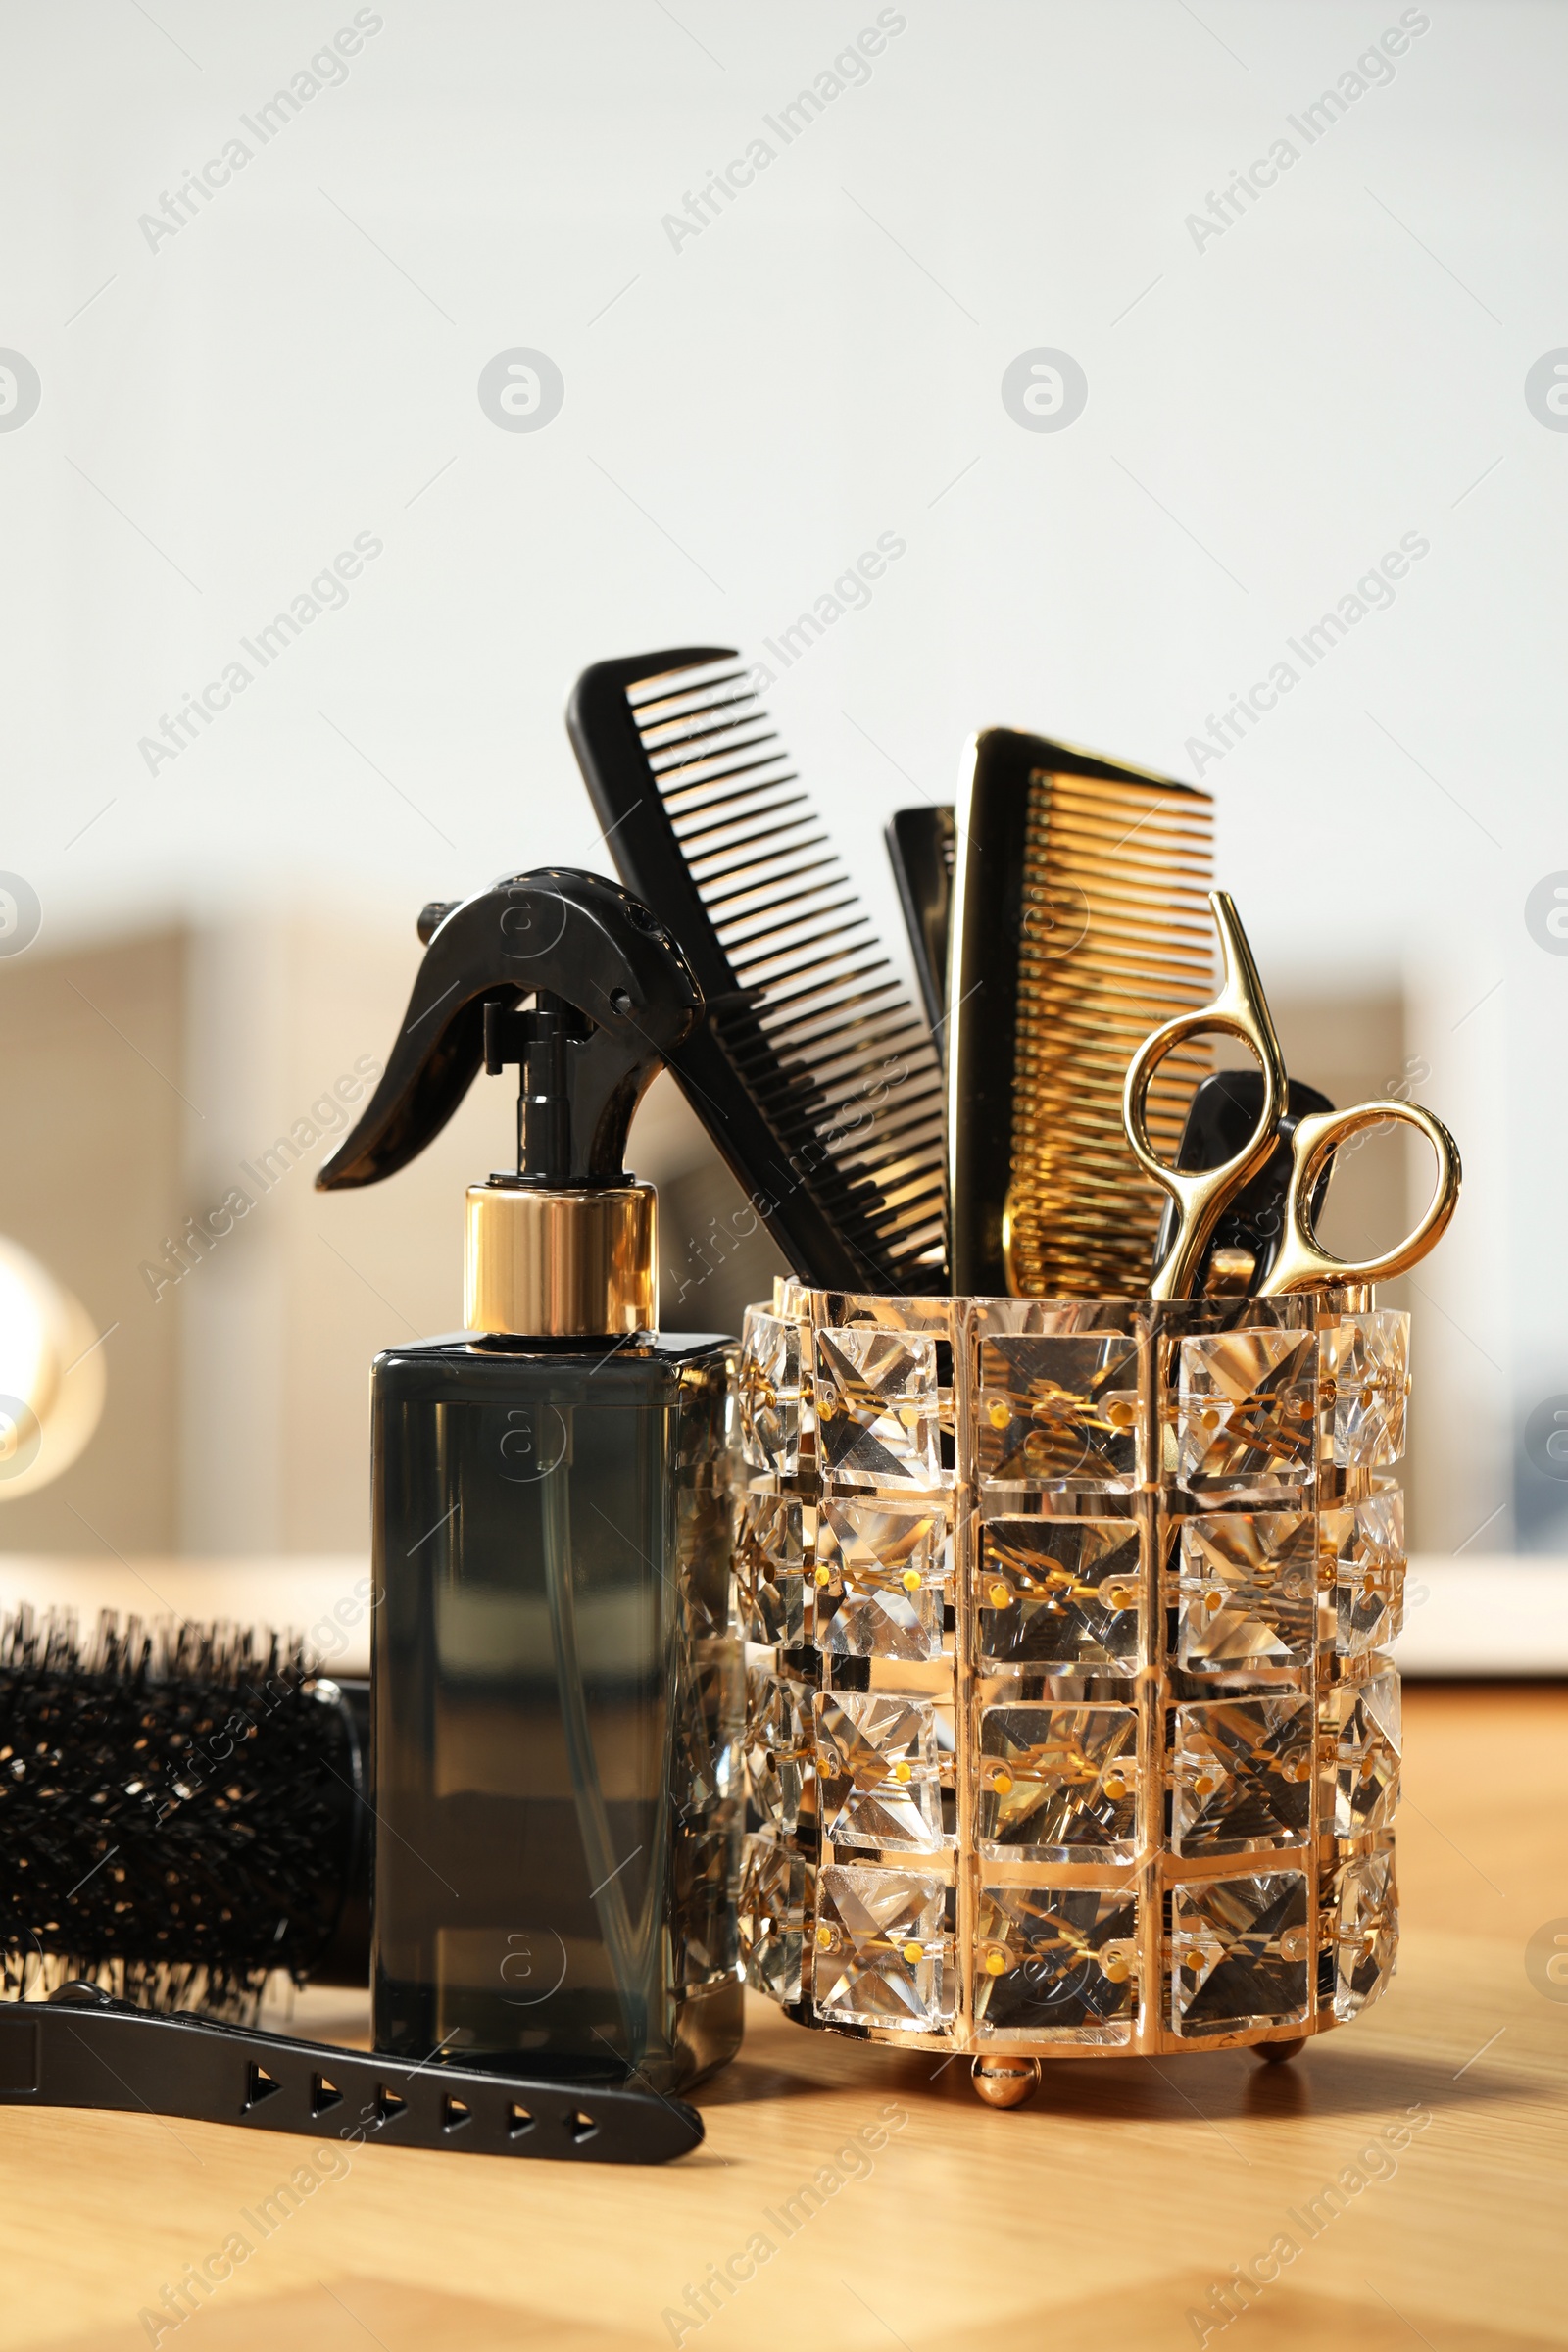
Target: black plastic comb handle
[(83, 2049)]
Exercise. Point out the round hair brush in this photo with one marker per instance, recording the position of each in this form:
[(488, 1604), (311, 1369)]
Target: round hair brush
[(182, 1812)]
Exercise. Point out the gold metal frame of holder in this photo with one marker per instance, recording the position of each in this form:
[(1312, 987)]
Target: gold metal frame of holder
[(1243, 1446)]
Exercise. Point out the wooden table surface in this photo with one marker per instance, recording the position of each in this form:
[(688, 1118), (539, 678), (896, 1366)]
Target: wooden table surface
[(1101, 2215)]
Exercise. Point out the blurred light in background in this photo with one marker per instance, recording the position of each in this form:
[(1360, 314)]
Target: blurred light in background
[(283, 403), (51, 1375)]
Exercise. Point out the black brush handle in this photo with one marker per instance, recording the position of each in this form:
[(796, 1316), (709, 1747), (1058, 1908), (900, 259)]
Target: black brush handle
[(82, 2049), (651, 862)]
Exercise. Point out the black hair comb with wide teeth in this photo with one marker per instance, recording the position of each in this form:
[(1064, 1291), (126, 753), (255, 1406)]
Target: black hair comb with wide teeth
[(814, 1074)]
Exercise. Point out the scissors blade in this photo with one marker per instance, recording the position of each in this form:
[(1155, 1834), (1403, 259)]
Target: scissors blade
[(1240, 1010)]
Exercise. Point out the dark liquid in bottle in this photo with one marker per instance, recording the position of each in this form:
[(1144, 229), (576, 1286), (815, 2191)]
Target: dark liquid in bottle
[(558, 1708)]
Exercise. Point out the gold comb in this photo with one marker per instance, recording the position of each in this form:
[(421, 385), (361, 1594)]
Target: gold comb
[(1080, 921)]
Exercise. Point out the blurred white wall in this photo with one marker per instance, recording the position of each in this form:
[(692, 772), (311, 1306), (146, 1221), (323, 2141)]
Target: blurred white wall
[(226, 405)]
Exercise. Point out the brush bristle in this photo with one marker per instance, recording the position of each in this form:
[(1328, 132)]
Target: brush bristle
[(829, 1038), (176, 1811), (1118, 938)]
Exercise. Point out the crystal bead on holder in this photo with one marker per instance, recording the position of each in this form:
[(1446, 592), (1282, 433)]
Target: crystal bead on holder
[(1070, 1727)]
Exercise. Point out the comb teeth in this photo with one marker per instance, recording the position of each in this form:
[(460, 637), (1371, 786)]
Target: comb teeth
[(830, 1048), (1127, 866)]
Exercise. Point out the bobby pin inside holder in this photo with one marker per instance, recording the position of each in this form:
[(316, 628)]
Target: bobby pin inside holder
[(1071, 1727)]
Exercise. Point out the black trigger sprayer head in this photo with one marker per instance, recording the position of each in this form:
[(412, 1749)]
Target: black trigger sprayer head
[(573, 981)]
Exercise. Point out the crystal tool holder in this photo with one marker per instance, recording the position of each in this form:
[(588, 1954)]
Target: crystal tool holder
[(1070, 1727)]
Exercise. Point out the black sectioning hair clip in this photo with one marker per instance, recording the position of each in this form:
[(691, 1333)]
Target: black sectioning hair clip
[(922, 846), (81, 2048), (1224, 1111)]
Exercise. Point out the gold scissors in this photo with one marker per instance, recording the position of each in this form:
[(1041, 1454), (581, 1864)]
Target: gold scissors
[(1200, 1196)]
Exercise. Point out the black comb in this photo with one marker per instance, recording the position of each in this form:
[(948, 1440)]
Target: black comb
[(81, 2049), (813, 1073)]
